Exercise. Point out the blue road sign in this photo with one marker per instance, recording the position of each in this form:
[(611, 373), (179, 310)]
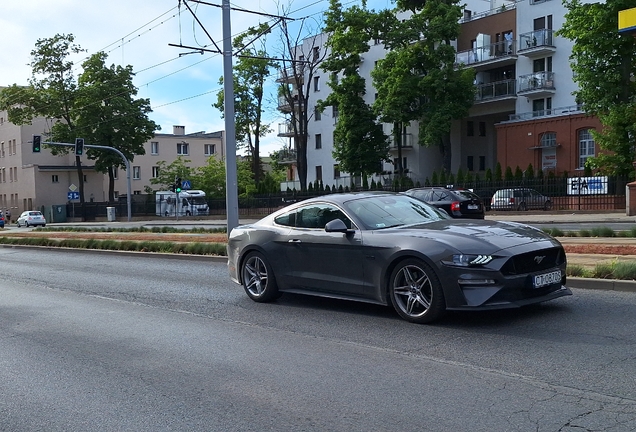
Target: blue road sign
[(72, 195), (185, 184)]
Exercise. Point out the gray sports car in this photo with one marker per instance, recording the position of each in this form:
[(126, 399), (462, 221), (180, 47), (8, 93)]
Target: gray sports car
[(387, 248)]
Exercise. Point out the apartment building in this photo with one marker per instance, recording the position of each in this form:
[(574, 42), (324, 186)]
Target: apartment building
[(524, 110), (31, 180)]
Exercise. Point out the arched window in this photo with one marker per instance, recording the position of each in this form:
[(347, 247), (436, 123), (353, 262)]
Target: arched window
[(548, 139), (586, 146)]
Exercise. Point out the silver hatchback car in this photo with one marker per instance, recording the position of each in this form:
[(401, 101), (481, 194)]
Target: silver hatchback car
[(519, 199), (31, 218)]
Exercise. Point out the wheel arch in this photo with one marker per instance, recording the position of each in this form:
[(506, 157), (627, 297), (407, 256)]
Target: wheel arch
[(401, 257)]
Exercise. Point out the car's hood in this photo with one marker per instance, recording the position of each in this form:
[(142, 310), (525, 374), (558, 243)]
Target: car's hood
[(475, 235)]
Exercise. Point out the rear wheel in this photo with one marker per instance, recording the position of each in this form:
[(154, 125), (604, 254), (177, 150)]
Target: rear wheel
[(548, 205), (522, 207), (416, 293), (258, 278)]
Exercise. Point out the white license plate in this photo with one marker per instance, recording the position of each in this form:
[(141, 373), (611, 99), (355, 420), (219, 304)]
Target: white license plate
[(472, 207), (547, 279)]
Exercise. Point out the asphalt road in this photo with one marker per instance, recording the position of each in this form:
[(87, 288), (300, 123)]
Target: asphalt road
[(114, 342)]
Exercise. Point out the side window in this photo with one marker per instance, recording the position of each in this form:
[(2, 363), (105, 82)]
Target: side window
[(287, 219), (317, 216)]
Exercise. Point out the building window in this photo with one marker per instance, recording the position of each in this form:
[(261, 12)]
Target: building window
[(318, 141), (482, 129), (55, 178), (155, 171), (548, 139), (336, 171), (319, 173), (316, 84), (137, 192), (209, 149), (482, 163), (85, 179), (136, 172), (317, 114), (586, 146), (183, 149), (115, 173), (470, 128), (469, 163), (316, 53), (154, 147)]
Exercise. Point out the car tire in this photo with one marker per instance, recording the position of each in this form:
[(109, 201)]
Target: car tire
[(26, 224), (43, 225), (416, 292), (522, 207), (547, 206), (258, 278)]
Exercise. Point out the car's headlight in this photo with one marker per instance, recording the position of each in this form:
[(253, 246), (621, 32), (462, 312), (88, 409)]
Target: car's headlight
[(465, 260)]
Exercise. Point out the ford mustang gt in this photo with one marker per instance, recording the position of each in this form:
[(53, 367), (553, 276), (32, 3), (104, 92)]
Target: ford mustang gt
[(392, 249)]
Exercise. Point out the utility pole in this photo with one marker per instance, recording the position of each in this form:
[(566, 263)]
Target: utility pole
[(231, 182)]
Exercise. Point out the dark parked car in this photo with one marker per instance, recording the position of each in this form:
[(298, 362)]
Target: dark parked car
[(520, 199), (392, 249), (458, 203)]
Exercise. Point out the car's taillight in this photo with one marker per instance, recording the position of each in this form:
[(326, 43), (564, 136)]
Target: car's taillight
[(511, 200), (455, 206)]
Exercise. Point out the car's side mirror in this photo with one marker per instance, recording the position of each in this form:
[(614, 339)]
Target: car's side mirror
[(337, 225)]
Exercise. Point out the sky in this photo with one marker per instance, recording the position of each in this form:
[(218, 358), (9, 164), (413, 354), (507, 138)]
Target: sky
[(181, 85)]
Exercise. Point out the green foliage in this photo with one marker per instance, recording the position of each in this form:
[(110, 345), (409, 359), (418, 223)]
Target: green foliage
[(443, 181), (498, 172), (530, 172), (427, 182), (603, 66), (518, 174), (418, 79), (360, 145), (250, 73), (460, 177), (489, 174), (508, 176), (434, 179), (169, 171), (451, 179)]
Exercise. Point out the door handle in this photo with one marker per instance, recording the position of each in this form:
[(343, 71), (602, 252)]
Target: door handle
[(294, 241)]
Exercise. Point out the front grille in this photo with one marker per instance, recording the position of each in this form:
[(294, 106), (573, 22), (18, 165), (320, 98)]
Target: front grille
[(535, 261)]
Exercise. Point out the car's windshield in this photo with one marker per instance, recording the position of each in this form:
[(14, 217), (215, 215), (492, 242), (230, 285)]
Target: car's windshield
[(385, 211)]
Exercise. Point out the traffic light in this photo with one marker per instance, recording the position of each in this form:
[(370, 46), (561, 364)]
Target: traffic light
[(37, 140), (79, 146), (177, 185)]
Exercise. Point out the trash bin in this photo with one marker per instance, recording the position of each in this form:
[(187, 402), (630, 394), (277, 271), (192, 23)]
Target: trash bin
[(110, 214)]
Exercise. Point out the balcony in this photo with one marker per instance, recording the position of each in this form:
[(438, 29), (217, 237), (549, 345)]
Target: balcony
[(286, 106), (407, 142), (287, 157), (552, 112), (536, 85), (538, 43), (286, 129), (290, 74), (487, 57), (497, 90)]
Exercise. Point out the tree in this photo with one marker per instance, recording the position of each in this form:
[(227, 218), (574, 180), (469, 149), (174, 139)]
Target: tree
[(168, 172), (603, 66), (211, 178), (99, 107), (360, 145), (418, 79), (50, 94), (107, 114), (250, 73), (302, 58)]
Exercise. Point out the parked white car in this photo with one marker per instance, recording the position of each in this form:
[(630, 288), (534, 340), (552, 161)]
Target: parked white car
[(31, 218)]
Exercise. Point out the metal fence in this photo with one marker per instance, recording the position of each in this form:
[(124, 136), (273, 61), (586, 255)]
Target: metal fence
[(573, 193)]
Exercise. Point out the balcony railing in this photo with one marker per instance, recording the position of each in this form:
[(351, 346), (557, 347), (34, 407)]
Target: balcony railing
[(290, 73), (496, 89), (568, 110), (536, 39), (287, 156), (407, 141), (494, 51), (536, 81), (286, 129), (473, 16)]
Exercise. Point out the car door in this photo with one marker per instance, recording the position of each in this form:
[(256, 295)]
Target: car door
[(322, 261)]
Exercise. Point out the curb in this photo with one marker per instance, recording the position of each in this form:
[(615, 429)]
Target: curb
[(602, 284)]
